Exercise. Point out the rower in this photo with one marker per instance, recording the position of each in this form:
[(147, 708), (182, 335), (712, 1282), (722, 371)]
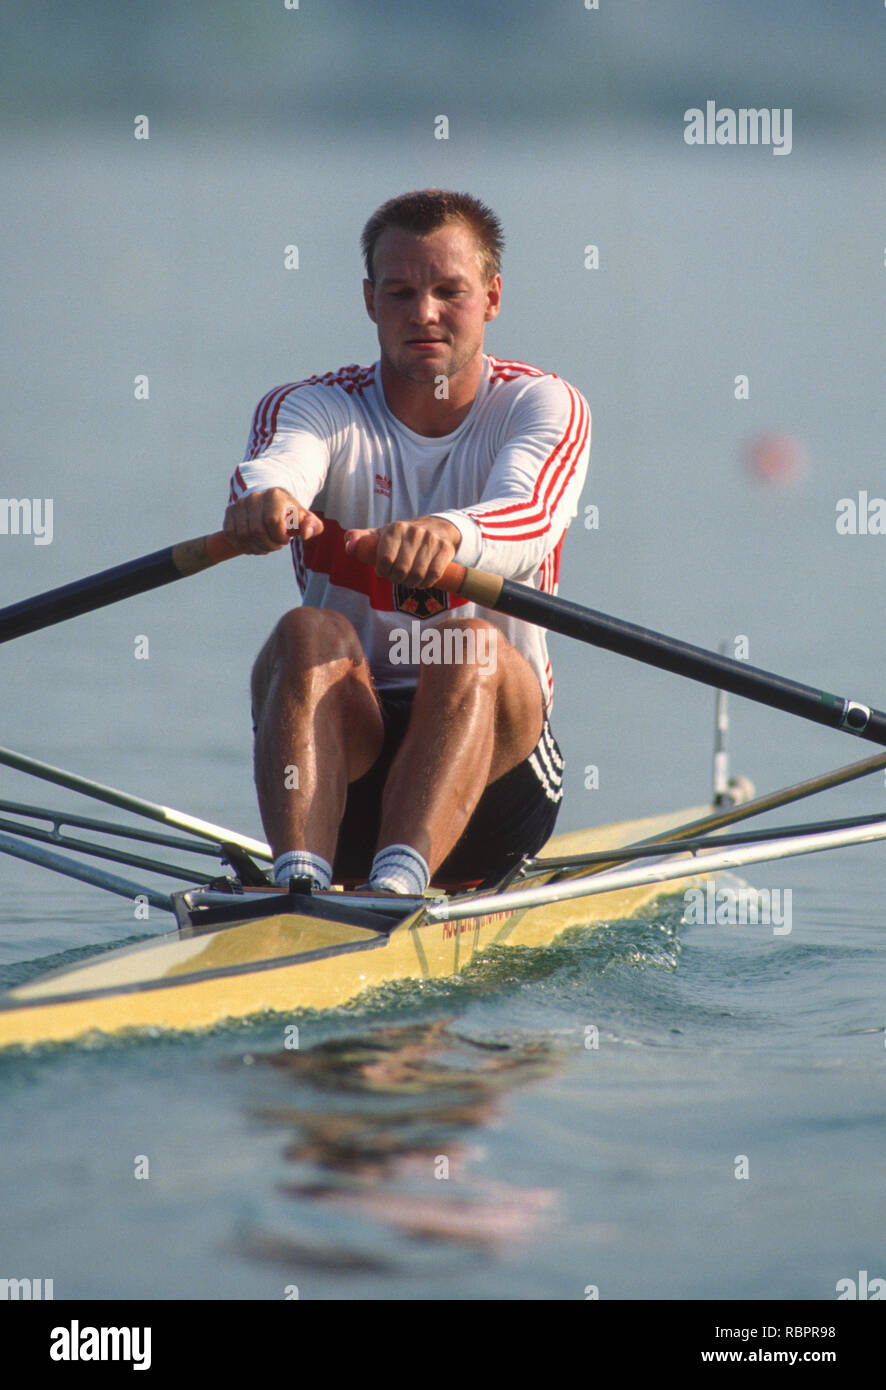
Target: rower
[(379, 754)]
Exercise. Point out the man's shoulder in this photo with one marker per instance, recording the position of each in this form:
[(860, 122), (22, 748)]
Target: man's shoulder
[(353, 380), (510, 369), (322, 405), (509, 380)]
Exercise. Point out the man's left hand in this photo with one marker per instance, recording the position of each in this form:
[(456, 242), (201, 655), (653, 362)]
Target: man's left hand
[(413, 553)]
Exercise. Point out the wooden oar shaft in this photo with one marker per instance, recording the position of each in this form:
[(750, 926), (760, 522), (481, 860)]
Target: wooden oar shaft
[(134, 577), (653, 648)]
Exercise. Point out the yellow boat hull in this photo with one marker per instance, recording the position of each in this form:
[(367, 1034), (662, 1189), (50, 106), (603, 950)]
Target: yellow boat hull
[(288, 962)]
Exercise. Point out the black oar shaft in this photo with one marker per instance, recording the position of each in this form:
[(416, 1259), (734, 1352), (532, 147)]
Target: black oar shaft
[(722, 672), (85, 594), (133, 577)]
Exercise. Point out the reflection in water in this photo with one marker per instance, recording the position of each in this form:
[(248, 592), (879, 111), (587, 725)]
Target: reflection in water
[(387, 1127)]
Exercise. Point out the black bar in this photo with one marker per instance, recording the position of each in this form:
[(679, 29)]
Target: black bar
[(842, 1336), (721, 672)]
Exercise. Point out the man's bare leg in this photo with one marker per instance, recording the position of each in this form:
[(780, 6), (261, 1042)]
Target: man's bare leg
[(318, 727), (469, 725), (316, 712)]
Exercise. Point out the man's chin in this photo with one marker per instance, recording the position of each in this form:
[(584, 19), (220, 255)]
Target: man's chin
[(423, 373)]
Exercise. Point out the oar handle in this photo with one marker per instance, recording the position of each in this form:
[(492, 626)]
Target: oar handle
[(190, 557), (474, 585)]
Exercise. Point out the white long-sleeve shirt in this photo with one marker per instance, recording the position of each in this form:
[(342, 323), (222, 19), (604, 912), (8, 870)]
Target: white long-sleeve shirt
[(509, 477)]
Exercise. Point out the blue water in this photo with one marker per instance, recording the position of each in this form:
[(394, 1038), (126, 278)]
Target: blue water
[(568, 1167)]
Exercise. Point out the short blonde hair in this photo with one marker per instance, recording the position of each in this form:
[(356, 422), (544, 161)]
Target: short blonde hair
[(428, 209)]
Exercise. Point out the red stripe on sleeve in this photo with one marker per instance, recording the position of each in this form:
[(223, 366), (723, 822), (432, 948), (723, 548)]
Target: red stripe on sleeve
[(540, 506)]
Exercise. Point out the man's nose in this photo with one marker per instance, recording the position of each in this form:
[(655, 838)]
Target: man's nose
[(424, 308)]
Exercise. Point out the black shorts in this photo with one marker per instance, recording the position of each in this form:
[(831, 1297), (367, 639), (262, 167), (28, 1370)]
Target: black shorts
[(514, 817)]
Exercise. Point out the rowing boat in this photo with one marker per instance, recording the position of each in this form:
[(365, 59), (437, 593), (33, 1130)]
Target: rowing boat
[(242, 947), (240, 953)]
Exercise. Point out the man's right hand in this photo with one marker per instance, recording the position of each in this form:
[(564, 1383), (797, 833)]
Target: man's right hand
[(266, 521)]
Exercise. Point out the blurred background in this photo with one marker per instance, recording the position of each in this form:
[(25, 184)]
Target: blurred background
[(272, 127), (163, 258)]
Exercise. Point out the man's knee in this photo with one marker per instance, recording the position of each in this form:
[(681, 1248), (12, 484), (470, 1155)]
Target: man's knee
[(313, 633), (303, 639), (477, 660), (462, 650)]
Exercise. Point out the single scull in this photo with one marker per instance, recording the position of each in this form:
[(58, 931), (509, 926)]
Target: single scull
[(242, 947)]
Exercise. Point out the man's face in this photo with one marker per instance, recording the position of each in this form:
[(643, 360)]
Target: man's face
[(430, 301)]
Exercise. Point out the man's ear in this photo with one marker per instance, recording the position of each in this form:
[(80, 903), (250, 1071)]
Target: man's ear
[(369, 299), (493, 298)]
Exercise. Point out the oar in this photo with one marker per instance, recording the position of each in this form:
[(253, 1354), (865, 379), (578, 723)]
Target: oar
[(134, 577), (722, 817), (653, 648), (490, 591), (151, 810)]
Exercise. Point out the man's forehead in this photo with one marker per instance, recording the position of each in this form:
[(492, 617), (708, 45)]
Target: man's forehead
[(450, 250)]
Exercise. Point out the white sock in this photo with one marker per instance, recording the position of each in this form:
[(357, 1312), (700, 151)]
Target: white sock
[(298, 863), (399, 869)]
